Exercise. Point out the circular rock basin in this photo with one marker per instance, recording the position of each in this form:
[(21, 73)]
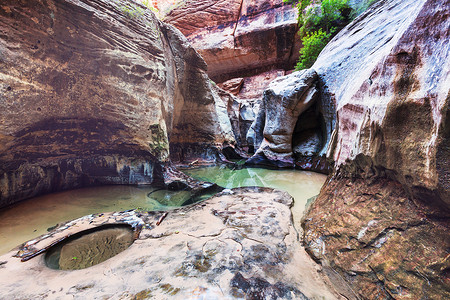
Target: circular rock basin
[(89, 247)]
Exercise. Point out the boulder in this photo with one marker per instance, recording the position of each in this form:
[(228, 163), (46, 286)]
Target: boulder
[(283, 102), (383, 243), (238, 244), (381, 220), (232, 86), (94, 93)]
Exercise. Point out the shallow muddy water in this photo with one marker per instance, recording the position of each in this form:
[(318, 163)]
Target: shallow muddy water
[(29, 219), (79, 252)]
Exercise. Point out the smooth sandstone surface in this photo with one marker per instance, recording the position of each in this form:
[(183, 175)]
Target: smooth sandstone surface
[(388, 76), (285, 99), (94, 92), (238, 244), (232, 35), (289, 129), (381, 220)]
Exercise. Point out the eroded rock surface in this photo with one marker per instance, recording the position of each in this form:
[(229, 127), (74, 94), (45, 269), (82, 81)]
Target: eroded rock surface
[(94, 248), (284, 101), (382, 220), (232, 35), (388, 76), (246, 45), (238, 244), (384, 244), (93, 92)]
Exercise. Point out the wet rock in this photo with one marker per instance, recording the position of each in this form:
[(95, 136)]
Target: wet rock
[(283, 102), (237, 244), (317, 164), (94, 248)]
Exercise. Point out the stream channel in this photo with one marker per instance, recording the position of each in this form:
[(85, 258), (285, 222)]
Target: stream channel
[(34, 217)]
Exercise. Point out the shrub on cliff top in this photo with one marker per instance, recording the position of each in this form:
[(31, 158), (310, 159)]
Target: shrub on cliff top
[(313, 43), (319, 21)]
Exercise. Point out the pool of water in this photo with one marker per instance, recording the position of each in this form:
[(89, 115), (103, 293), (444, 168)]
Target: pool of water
[(301, 185), (31, 218), (89, 248)]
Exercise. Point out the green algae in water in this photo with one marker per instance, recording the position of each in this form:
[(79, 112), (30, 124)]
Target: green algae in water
[(31, 218), (301, 185)]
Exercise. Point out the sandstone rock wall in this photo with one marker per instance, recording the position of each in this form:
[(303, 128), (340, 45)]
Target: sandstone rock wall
[(381, 221), (246, 45), (237, 37), (390, 82), (93, 92)]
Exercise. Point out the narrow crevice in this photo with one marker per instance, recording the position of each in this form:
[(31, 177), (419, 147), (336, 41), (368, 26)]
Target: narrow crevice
[(382, 284), (237, 22), (385, 231)]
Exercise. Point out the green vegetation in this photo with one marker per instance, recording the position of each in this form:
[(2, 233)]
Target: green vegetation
[(361, 7), (313, 43), (319, 21), (133, 10), (149, 5)]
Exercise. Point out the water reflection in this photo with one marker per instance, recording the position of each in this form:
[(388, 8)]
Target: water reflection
[(301, 185), (31, 218)]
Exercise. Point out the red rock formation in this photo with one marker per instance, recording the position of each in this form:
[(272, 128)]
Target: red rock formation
[(239, 37), (92, 92), (248, 42), (382, 219), (390, 86)]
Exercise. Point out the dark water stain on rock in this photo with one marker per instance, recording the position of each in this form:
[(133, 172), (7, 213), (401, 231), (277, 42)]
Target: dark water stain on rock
[(258, 288)]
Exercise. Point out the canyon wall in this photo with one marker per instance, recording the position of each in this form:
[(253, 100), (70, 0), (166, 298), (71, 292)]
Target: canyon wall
[(246, 45), (93, 92), (381, 221), (239, 37), (390, 85)]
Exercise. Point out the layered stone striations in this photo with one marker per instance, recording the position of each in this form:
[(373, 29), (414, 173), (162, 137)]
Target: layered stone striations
[(239, 37), (390, 85), (283, 103), (94, 93), (381, 221)]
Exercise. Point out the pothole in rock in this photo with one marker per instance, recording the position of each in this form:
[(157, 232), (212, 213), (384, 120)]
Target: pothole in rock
[(89, 247)]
